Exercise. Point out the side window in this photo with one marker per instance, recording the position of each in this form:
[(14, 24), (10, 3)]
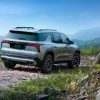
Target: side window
[(43, 36), (57, 37), (65, 39)]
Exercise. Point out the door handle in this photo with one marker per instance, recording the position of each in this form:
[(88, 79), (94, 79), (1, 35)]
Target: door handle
[(66, 46)]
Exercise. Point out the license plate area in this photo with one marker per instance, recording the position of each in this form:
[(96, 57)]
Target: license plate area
[(20, 46)]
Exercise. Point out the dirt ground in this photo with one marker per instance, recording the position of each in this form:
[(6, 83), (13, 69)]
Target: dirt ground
[(21, 72)]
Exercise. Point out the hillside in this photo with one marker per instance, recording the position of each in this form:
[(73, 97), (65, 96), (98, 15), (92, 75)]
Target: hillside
[(95, 42), (88, 34)]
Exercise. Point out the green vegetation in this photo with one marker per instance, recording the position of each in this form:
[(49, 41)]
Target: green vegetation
[(90, 51), (97, 67), (67, 79)]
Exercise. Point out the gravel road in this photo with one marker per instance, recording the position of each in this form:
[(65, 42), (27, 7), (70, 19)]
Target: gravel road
[(19, 74), (22, 73)]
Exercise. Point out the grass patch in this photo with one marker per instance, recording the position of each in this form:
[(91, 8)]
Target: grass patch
[(97, 66), (90, 51), (61, 80)]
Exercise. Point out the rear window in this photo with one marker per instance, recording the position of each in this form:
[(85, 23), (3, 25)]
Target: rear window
[(28, 36)]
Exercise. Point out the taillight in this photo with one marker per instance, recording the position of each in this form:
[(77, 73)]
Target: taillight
[(35, 45), (5, 41)]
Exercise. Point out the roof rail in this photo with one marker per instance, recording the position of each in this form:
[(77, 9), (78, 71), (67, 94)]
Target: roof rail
[(47, 30), (24, 28)]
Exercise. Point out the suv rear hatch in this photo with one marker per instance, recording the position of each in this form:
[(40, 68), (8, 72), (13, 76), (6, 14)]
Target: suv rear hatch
[(21, 41), (22, 46)]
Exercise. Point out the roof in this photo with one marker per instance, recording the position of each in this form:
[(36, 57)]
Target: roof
[(31, 29)]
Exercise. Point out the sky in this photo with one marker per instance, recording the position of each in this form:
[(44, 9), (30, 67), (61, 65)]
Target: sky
[(68, 16)]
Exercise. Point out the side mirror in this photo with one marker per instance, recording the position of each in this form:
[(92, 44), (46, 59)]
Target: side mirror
[(71, 42)]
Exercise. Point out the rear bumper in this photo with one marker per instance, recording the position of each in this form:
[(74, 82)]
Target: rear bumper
[(19, 60), (20, 57)]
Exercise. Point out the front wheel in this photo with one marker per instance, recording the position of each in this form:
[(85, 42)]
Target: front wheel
[(47, 64), (9, 64), (75, 61)]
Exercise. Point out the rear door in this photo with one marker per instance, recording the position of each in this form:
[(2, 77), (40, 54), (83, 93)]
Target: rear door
[(58, 46)]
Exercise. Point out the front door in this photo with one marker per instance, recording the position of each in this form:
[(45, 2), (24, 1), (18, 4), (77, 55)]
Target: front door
[(58, 47), (67, 53)]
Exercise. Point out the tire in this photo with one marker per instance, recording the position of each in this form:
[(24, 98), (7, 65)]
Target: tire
[(47, 64), (9, 64), (75, 62)]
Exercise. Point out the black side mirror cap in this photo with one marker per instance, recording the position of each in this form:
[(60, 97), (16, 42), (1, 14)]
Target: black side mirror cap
[(71, 42)]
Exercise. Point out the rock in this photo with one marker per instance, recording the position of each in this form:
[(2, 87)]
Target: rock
[(92, 97), (97, 74), (51, 91), (82, 98), (63, 91), (42, 97), (98, 96), (85, 77), (97, 59)]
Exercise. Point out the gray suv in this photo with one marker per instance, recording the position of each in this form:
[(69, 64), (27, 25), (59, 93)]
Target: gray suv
[(42, 48)]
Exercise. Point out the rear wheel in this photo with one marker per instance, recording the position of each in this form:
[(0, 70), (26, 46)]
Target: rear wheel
[(75, 61), (47, 64), (9, 64)]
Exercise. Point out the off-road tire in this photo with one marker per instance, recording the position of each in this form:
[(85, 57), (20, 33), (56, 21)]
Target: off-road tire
[(47, 64), (9, 64), (75, 62)]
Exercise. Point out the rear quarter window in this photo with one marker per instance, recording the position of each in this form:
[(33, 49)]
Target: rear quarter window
[(43, 36)]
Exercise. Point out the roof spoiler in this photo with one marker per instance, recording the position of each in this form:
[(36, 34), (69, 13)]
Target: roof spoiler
[(24, 28)]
